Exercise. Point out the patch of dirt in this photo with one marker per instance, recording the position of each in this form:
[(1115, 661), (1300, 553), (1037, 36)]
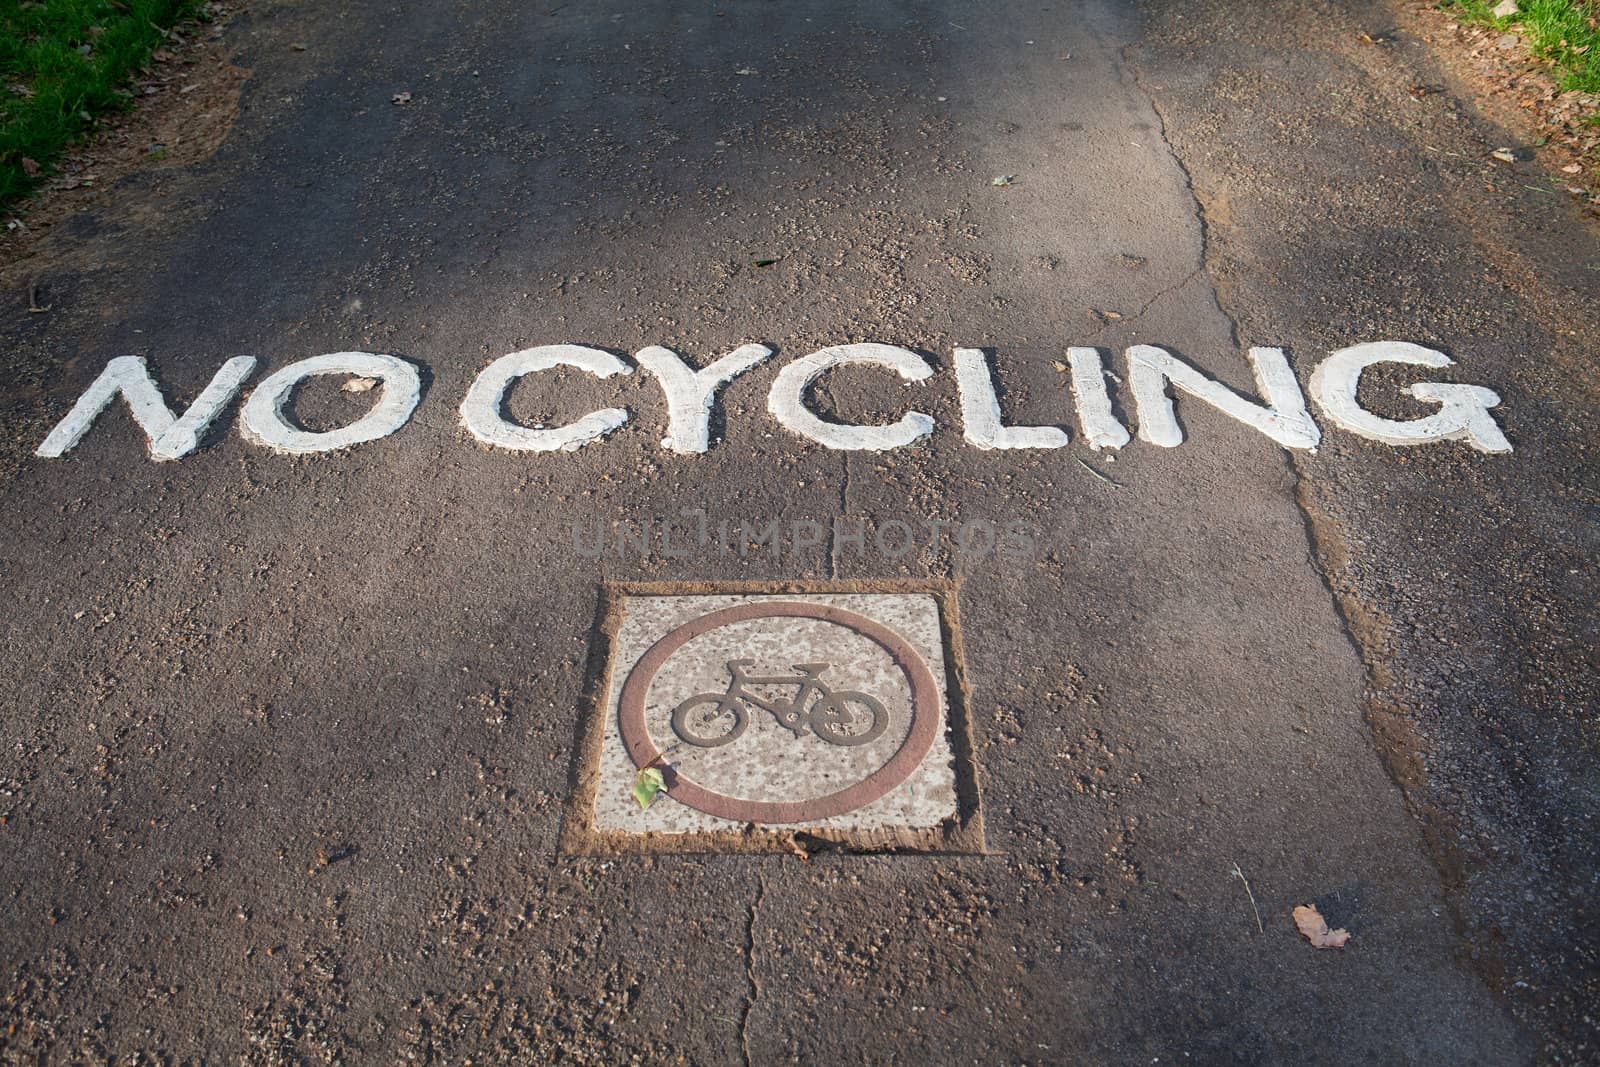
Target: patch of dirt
[(186, 102), (1522, 93)]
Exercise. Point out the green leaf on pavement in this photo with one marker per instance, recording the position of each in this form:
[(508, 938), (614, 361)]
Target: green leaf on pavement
[(646, 785)]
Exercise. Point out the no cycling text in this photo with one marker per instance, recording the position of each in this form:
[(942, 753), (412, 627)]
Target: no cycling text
[(1463, 411)]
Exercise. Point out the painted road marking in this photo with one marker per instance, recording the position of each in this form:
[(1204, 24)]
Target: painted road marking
[(265, 420), (170, 436), (482, 410), (1463, 415)]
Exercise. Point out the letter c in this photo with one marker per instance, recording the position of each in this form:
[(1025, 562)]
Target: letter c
[(786, 401), (481, 411)]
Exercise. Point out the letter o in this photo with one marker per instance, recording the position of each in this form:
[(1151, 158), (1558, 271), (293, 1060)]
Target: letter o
[(264, 421)]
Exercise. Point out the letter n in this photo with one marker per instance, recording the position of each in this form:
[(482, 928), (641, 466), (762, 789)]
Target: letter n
[(170, 436), (1283, 417)]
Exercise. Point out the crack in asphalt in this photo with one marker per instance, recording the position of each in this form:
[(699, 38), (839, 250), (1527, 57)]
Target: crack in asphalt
[(1300, 489), (1319, 528), (1128, 320), (750, 966), (1200, 218)]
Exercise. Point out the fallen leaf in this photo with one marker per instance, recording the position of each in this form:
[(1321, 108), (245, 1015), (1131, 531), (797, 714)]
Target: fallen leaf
[(1004, 180), (646, 786), (1572, 168), (1505, 9), (1504, 155), (400, 98), (29, 167), (1315, 928), (359, 385)]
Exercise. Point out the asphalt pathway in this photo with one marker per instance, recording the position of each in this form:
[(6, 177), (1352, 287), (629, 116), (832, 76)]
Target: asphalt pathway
[(290, 740)]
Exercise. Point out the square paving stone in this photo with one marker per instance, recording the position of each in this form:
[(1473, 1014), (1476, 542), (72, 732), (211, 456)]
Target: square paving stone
[(779, 716)]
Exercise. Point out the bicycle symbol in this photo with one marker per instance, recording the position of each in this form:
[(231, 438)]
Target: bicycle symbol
[(838, 716)]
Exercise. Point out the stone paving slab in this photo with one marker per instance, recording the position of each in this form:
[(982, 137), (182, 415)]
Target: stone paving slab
[(827, 714)]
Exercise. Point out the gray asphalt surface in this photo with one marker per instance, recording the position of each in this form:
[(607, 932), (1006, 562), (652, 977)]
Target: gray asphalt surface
[(288, 741)]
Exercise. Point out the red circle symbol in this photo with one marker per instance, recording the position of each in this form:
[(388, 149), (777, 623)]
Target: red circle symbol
[(644, 752)]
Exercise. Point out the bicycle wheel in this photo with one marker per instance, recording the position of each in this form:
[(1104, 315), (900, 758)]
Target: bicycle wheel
[(846, 717), (709, 719)]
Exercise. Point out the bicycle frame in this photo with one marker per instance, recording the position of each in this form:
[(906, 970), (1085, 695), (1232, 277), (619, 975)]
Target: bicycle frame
[(808, 682), (839, 717)]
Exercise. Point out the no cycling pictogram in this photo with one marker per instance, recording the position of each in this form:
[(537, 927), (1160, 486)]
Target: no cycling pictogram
[(919, 739), (839, 717)]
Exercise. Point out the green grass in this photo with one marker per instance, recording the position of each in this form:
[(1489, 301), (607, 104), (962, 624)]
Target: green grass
[(62, 63), (1565, 33)]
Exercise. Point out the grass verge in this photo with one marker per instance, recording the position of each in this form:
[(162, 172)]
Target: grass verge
[(1564, 33), (63, 62)]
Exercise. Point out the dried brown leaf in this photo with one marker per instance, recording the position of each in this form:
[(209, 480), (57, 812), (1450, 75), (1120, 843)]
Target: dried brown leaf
[(1315, 928)]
